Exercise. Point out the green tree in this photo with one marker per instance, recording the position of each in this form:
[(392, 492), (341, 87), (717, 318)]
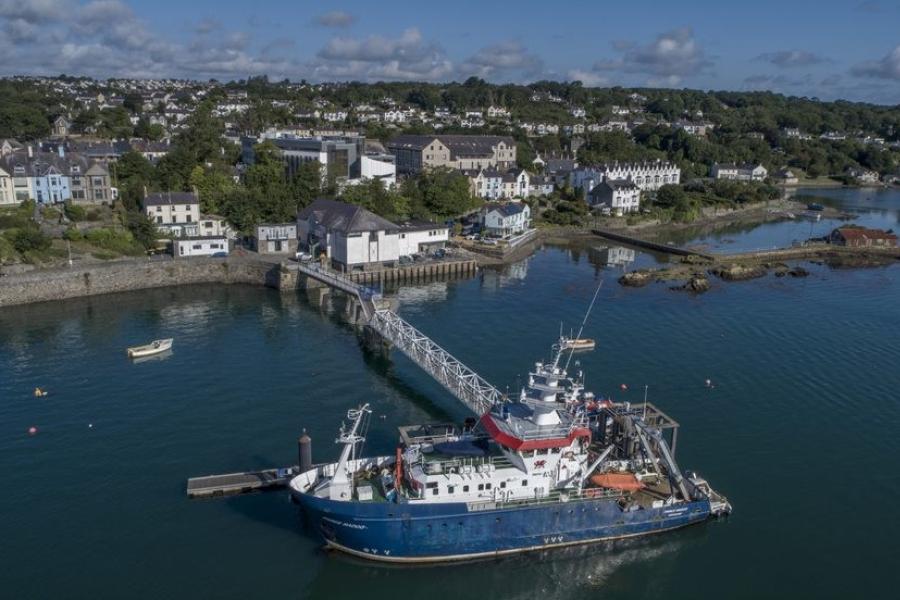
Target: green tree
[(439, 193), (29, 239)]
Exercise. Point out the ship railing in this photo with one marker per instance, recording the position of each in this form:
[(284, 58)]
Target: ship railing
[(538, 433), (455, 465), (554, 497)]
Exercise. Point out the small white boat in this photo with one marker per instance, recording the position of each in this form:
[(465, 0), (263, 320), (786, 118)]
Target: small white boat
[(577, 343), (154, 347)]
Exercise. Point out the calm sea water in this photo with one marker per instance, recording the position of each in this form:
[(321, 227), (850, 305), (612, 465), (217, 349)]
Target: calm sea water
[(800, 430)]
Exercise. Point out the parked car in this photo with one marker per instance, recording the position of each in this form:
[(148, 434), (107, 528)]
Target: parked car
[(303, 256), (405, 260)]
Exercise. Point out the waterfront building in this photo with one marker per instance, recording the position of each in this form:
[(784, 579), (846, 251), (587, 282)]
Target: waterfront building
[(174, 213), (416, 237), (275, 238), (505, 218), (620, 196), (349, 235), (414, 153), (863, 175), (739, 172), (862, 237), (200, 246), (786, 177), (353, 237)]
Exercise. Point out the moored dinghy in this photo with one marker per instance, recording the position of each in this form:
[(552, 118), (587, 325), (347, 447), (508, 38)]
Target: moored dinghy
[(577, 343), (154, 347)]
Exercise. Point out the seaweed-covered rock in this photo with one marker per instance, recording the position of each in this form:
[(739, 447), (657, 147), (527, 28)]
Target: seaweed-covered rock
[(738, 272), (697, 284), (636, 278)]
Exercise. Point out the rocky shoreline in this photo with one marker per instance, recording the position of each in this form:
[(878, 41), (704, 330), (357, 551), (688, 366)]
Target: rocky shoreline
[(694, 276)]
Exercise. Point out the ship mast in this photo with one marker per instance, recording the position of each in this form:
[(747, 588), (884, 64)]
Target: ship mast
[(341, 485)]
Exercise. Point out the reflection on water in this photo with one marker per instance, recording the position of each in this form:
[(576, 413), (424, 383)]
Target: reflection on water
[(420, 294), (562, 573), (506, 275), (612, 256)]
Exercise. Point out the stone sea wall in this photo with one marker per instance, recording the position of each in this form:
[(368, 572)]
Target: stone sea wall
[(77, 281)]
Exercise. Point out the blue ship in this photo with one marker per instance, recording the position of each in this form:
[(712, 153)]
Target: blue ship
[(553, 467)]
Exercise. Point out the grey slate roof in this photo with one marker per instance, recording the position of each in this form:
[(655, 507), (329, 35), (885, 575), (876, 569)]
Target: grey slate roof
[(507, 209), (344, 218), (169, 198), (459, 145), (44, 163)]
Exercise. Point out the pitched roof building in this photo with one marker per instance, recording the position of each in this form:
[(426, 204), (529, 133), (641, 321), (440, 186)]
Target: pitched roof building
[(414, 153)]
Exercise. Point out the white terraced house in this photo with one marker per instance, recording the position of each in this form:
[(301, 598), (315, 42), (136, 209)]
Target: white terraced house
[(745, 172), (649, 175)]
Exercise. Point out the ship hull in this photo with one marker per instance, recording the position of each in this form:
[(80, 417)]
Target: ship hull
[(442, 532)]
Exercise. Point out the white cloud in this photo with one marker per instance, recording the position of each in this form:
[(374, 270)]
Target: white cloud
[(588, 78), (887, 67), (406, 57), (792, 58), (502, 60), (336, 19), (671, 56)]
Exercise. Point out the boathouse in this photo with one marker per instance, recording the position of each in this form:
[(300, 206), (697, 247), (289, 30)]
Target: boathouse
[(861, 237)]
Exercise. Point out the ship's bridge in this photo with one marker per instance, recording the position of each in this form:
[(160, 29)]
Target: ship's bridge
[(518, 426)]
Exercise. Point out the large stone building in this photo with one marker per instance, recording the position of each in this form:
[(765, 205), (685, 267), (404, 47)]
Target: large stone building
[(413, 153)]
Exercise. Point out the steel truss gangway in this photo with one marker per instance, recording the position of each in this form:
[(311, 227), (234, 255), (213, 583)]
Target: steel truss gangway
[(461, 381)]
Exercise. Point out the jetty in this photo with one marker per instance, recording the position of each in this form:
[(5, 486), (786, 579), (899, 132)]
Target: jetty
[(230, 484), (647, 244), (381, 329)]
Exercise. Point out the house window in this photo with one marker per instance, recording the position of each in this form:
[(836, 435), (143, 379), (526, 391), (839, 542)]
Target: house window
[(480, 487), (198, 247), (465, 488), (434, 492), (450, 489), (502, 484), (524, 483)]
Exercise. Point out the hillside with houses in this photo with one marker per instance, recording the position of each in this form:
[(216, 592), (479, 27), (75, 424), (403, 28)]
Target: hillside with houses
[(254, 153)]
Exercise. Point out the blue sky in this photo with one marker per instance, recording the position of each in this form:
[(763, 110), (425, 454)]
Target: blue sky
[(829, 49)]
